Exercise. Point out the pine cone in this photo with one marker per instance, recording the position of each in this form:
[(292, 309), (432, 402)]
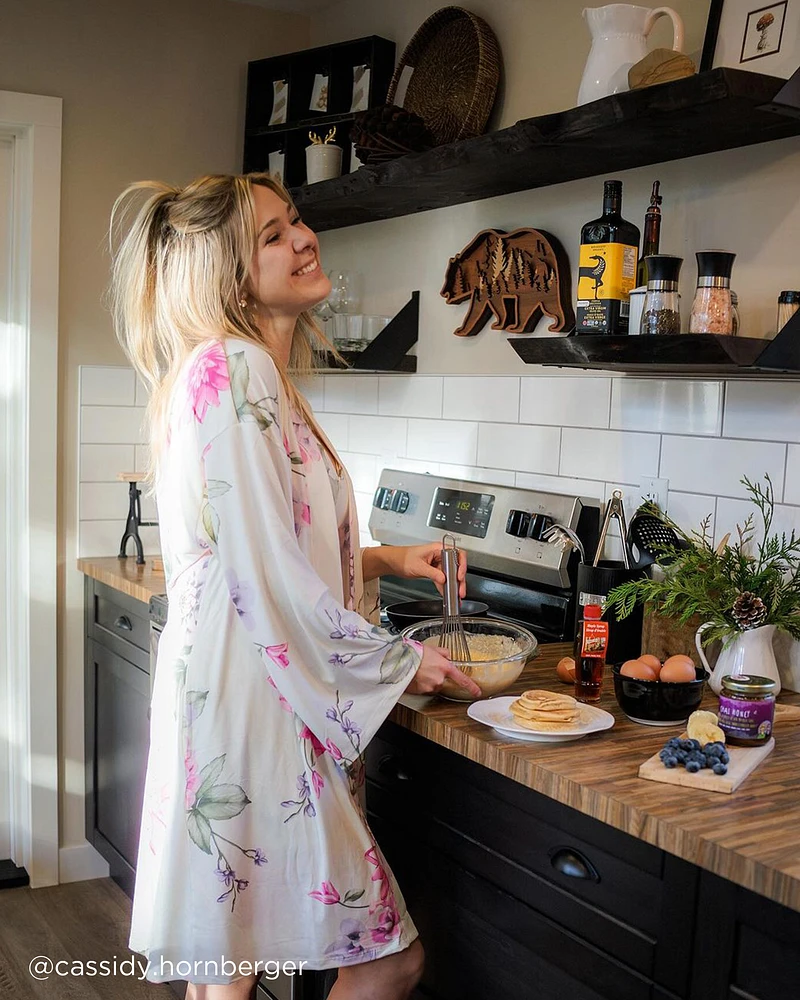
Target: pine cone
[(749, 611)]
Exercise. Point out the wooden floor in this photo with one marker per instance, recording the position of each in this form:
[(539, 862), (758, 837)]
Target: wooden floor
[(77, 922)]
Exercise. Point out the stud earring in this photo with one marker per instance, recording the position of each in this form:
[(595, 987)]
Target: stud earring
[(243, 302)]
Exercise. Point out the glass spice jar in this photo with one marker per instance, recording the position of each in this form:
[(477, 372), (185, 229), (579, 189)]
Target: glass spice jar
[(747, 709), (712, 309), (788, 304), (661, 314)]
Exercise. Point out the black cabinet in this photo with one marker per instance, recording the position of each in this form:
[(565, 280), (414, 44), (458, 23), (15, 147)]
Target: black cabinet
[(116, 725)]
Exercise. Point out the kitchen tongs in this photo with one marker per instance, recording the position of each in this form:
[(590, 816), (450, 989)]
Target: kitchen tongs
[(615, 509)]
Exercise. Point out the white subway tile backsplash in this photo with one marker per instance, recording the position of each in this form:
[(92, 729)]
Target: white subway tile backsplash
[(716, 465), (561, 484), (501, 477), (413, 465), (623, 456), (362, 470), (401, 396), (438, 439), (768, 411), (378, 435), (363, 510), (100, 463), (565, 401), (141, 458), (313, 388), (112, 425), (666, 405), (354, 394), (102, 538), (519, 447), (337, 427), (688, 510), (107, 386), (476, 397), (107, 501), (733, 513), (791, 489), (142, 395)]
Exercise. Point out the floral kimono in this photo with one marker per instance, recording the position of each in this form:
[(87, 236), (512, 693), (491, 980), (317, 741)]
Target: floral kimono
[(269, 685)]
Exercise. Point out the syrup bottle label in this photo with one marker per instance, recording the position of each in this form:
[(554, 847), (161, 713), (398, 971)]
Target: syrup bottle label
[(595, 639)]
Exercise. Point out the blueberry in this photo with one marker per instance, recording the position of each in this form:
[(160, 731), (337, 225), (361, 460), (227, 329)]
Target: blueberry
[(720, 768), (724, 757), (670, 762), (693, 744), (692, 766), (681, 755), (712, 750)]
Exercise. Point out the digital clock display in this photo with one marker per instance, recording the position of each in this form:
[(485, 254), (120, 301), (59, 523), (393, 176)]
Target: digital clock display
[(462, 512)]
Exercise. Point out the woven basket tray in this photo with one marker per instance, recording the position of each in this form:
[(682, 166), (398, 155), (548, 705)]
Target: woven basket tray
[(456, 62)]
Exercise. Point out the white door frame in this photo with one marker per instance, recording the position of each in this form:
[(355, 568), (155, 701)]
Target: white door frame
[(28, 650)]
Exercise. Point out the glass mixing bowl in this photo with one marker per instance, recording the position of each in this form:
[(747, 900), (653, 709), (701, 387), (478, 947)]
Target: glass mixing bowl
[(491, 676)]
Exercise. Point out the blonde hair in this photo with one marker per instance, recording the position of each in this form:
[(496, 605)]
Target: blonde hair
[(179, 276)]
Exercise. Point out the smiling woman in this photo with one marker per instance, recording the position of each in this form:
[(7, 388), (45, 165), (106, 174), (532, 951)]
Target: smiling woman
[(270, 681)]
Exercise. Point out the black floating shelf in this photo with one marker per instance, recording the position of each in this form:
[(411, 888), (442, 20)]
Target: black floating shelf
[(691, 354), (719, 109), (388, 352)]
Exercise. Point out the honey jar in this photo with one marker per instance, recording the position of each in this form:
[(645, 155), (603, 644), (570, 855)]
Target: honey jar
[(747, 709)]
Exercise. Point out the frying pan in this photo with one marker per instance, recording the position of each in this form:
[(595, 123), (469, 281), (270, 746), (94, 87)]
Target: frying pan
[(410, 612)]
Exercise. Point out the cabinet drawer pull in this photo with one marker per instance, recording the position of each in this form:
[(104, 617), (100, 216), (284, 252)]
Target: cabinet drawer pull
[(573, 864), (393, 768), (124, 622)]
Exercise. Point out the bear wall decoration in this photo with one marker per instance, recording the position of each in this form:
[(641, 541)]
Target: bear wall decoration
[(516, 277)]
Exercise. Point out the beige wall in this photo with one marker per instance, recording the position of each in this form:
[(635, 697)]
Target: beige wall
[(150, 90)]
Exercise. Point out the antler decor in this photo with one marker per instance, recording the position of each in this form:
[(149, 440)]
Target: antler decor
[(322, 142)]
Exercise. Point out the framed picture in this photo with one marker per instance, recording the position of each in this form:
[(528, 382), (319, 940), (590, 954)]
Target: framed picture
[(753, 35)]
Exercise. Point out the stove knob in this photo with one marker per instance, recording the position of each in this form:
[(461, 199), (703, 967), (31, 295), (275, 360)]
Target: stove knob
[(539, 524), (400, 501), (383, 498), (518, 523)]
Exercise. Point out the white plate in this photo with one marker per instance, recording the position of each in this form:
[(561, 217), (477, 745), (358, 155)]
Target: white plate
[(496, 712)]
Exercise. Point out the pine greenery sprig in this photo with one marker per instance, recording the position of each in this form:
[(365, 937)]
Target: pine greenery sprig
[(706, 581)]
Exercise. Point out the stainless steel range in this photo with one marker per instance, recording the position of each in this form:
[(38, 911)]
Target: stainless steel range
[(511, 567)]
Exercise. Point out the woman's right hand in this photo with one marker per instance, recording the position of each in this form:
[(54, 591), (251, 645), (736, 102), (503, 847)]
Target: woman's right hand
[(435, 668)]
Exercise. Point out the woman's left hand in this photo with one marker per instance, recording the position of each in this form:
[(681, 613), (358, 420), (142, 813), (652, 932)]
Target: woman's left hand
[(415, 562)]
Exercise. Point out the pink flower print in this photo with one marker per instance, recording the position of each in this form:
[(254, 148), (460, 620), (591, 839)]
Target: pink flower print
[(279, 654), (384, 922), (208, 377), (157, 823), (306, 441), (306, 734), (333, 750), (242, 597), (192, 778), (379, 874), (302, 515), (317, 782), (284, 703), (328, 894)]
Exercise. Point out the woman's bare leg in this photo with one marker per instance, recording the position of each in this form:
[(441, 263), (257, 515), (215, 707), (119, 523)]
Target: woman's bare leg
[(242, 989), (390, 978)]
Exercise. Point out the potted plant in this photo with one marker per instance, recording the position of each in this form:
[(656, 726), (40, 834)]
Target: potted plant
[(743, 591)]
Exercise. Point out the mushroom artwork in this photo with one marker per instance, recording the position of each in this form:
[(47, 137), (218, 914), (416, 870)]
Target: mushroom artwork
[(763, 26)]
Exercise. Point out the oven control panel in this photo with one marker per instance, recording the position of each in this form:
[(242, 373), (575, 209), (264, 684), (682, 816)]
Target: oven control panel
[(502, 528)]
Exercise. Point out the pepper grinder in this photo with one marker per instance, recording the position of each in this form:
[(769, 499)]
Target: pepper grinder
[(712, 309), (662, 311)]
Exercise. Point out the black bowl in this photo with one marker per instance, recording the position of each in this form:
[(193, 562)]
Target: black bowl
[(410, 612), (658, 703)]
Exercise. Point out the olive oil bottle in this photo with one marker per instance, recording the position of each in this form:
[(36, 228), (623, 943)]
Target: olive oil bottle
[(609, 256)]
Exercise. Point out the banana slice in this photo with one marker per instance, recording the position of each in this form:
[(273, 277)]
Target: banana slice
[(702, 726)]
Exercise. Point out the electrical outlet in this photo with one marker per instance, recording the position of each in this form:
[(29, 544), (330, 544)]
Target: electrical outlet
[(654, 489)]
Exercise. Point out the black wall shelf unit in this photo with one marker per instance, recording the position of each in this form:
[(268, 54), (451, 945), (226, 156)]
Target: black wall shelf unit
[(693, 355), (388, 352), (711, 111), (299, 70)]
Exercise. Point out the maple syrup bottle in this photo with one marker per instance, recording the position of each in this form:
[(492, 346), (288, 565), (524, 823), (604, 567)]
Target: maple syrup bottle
[(609, 256)]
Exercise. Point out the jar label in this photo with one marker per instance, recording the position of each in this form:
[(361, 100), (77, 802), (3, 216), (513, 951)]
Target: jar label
[(745, 719), (595, 639)]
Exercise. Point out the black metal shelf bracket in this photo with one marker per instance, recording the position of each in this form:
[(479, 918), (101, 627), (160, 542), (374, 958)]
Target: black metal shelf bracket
[(388, 350)]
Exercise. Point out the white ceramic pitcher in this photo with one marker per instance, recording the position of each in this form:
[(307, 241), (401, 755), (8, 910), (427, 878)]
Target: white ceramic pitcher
[(619, 39), (749, 653)]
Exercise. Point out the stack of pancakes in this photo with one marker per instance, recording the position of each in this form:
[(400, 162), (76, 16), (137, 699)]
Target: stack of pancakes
[(546, 710)]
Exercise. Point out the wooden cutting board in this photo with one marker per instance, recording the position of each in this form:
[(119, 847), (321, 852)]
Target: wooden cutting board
[(744, 760)]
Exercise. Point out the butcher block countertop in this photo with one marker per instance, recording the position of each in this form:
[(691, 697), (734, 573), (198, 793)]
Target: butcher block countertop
[(751, 837), (139, 582)]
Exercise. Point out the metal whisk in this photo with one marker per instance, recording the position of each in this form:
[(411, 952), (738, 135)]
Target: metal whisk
[(453, 636)]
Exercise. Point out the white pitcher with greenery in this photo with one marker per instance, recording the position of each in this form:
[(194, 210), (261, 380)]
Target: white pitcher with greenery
[(745, 591)]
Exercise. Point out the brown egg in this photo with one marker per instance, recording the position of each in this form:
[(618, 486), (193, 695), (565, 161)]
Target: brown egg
[(565, 668), (678, 670), (641, 671), (651, 661)]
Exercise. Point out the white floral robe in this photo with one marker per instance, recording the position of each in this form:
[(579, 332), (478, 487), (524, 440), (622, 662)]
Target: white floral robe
[(269, 685)]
